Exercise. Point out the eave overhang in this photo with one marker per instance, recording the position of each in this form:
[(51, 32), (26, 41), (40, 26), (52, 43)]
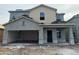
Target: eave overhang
[(58, 25)]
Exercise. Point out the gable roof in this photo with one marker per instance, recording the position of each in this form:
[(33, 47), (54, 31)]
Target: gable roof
[(44, 6), (35, 8), (75, 16), (19, 18)]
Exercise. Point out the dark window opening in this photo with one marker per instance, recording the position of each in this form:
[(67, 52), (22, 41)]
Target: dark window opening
[(42, 16), (13, 17), (58, 33), (58, 19), (49, 36)]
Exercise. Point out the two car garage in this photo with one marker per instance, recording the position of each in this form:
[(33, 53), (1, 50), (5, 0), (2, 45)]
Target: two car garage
[(29, 36)]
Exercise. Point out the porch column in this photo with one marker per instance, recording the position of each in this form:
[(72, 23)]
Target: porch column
[(71, 37), (54, 36), (5, 38), (63, 36), (45, 35), (41, 40)]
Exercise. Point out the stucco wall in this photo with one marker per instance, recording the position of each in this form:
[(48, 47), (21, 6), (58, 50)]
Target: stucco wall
[(50, 14), (5, 37), (18, 25), (1, 34), (75, 20), (11, 36)]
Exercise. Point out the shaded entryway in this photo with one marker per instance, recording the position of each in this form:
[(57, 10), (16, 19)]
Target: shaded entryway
[(23, 36), (49, 36)]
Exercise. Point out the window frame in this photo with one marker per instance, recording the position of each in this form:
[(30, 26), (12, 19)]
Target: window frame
[(13, 17), (59, 34), (42, 16)]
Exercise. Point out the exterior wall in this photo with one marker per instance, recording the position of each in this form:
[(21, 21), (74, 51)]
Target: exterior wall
[(1, 34), (50, 15), (8, 37), (41, 35), (76, 28), (18, 25), (45, 35), (11, 36), (5, 37), (63, 35)]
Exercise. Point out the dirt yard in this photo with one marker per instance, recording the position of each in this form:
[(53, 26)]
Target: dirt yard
[(40, 50)]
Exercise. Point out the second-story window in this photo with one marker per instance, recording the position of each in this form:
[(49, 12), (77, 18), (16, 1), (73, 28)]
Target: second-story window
[(58, 19), (13, 17), (42, 16)]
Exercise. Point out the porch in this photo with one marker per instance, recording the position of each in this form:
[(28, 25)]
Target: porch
[(56, 34)]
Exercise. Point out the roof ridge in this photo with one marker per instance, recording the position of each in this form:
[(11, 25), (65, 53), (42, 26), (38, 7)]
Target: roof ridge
[(34, 8)]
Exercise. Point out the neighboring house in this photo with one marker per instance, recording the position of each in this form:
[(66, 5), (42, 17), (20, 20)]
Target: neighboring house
[(1, 33), (75, 20), (40, 25)]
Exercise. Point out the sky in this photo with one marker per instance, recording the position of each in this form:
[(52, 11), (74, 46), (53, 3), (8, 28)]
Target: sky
[(69, 9)]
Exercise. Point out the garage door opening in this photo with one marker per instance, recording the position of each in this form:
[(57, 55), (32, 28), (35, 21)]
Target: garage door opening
[(23, 36)]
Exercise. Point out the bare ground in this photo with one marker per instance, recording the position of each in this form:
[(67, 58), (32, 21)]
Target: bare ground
[(40, 50)]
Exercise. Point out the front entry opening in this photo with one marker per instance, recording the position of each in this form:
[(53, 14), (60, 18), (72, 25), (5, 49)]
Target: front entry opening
[(49, 36)]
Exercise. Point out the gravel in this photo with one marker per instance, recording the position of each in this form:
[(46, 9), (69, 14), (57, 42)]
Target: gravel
[(39, 50)]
